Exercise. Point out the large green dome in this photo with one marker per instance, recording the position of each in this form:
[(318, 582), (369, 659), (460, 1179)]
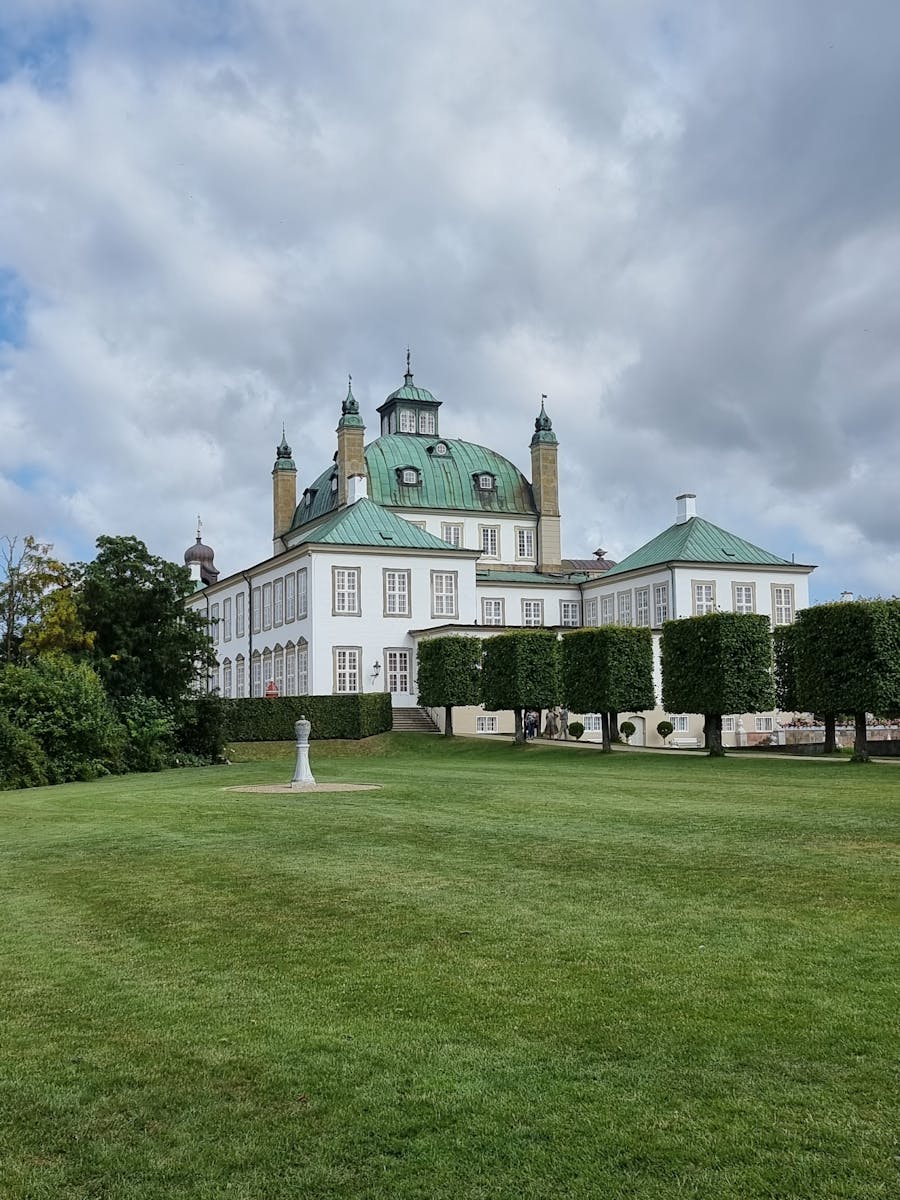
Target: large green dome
[(447, 471)]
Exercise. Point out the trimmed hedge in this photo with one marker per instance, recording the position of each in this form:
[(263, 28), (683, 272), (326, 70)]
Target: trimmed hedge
[(271, 719)]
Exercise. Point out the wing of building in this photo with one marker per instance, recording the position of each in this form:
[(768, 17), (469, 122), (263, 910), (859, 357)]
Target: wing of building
[(416, 534)]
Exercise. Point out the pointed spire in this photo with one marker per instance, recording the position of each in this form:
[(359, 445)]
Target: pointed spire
[(350, 405), (408, 377), (543, 426), (199, 528)]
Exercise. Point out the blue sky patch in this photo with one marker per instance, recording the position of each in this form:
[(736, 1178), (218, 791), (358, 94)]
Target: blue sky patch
[(43, 50), (13, 308)]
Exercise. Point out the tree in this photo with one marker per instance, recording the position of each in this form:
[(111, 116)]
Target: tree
[(521, 670), (788, 695), (665, 729), (716, 664), (607, 670), (27, 574), (848, 660), (146, 641), (449, 670)]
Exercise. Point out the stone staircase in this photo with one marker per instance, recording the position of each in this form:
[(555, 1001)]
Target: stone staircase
[(413, 720)]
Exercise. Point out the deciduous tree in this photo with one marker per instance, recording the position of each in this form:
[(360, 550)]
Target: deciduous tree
[(521, 670), (449, 674), (605, 670), (28, 574)]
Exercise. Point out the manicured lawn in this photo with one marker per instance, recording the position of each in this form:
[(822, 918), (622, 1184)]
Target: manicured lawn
[(508, 973)]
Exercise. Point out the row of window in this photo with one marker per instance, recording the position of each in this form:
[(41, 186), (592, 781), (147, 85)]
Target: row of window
[(593, 723), (396, 593), (635, 607), (287, 667), (273, 604), (493, 612), (412, 477)]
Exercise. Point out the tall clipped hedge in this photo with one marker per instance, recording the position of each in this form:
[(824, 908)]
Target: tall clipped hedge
[(449, 673), (605, 670), (520, 670), (788, 694), (716, 664), (265, 719), (848, 661)]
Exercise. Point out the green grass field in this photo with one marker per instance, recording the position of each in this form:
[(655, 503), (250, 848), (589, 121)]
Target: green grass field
[(508, 973)]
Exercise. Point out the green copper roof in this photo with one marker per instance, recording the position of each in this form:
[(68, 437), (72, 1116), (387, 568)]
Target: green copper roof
[(695, 540), (367, 524), (543, 428), (350, 410), (446, 480)]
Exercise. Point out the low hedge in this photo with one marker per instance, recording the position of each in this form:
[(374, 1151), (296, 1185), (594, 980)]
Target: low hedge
[(271, 719)]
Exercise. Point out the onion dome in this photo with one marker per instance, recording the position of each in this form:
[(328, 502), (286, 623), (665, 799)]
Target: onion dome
[(202, 556), (543, 427), (283, 456)]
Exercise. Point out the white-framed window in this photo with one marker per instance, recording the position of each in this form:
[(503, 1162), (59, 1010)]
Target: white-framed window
[(302, 594), (607, 611), (226, 679), (525, 543), (240, 681), (593, 723), (214, 624), (290, 670), (532, 612), (398, 670), (278, 602), (704, 597), (334, 483), (418, 524), (239, 616), (407, 420), (396, 593), (490, 540), (443, 593), (764, 724), (744, 599), (486, 724), (591, 612), (642, 607), (256, 673), (226, 618), (426, 421), (267, 606), (290, 597), (267, 668), (569, 613), (410, 476), (623, 606), (485, 482), (660, 603), (680, 722), (452, 533), (302, 669), (782, 604), (346, 668), (345, 591), (728, 724), (256, 610), (492, 612), (213, 679), (278, 674)]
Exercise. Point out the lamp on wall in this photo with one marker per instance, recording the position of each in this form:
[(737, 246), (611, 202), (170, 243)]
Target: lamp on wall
[(376, 669)]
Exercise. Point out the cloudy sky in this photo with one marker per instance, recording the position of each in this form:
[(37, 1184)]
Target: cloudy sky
[(679, 220)]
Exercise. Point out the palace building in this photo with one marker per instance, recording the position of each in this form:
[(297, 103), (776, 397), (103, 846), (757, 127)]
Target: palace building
[(418, 534)]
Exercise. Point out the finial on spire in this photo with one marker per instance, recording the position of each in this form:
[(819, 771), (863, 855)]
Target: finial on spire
[(543, 426), (199, 528), (409, 375)]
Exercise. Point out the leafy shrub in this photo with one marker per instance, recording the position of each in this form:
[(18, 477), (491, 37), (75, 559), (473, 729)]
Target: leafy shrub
[(665, 729), (149, 728), (22, 761), (200, 728), (576, 729), (627, 729)]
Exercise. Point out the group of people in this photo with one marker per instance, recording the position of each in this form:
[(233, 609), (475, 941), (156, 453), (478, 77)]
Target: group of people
[(556, 725)]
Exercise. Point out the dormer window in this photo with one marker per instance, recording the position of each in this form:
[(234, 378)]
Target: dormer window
[(334, 483), (441, 449), (407, 420), (485, 482), (308, 496), (409, 476)]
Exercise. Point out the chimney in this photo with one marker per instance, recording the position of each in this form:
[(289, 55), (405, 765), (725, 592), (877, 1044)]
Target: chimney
[(357, 488), (846, 596), (685, 508)]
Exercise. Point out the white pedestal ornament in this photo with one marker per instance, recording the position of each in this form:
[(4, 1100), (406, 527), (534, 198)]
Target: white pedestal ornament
[(303, 776)]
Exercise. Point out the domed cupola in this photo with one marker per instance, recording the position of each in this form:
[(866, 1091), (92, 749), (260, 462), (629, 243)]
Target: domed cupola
[(200, 560), (543, 427), (410, 409)]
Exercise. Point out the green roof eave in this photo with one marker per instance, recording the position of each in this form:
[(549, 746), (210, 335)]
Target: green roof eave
[(696, 541), (366, 523)]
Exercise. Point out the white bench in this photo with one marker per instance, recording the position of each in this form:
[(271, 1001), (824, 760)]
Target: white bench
[(683, 742)]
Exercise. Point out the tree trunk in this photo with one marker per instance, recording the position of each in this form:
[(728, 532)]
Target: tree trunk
[(830, 736), (448, 720), (861, 741), (604, 724), (614, 726), (712, 734), (520, 726)]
